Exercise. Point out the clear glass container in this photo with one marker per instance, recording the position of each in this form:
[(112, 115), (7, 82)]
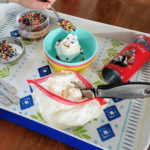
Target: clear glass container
[(36, 31)]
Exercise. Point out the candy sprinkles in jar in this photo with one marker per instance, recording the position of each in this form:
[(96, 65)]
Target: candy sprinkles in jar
[(33, 24)]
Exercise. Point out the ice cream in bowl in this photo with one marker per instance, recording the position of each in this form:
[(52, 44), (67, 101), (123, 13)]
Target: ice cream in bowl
[(70, 50), (61, 104)]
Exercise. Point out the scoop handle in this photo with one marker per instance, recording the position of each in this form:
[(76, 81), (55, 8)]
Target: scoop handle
[(128, 90), (55, 12), (14, 99), (9, 88), (5, 101)]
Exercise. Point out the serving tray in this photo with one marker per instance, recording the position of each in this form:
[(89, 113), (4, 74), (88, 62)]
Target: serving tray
[(123, 125)]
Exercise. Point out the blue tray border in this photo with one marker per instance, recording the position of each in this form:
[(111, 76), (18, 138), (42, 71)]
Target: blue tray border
[(47, 131)]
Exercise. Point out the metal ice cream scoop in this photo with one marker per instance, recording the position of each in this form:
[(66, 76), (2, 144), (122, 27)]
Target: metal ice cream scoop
[(14, 99), (9, 93), (8, 87), (5, 101), (55, 12), (129, 90)]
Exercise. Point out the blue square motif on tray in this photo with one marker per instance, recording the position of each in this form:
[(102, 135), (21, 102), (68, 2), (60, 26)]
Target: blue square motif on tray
[(112, 112), (44, 71), (14, 33), (117, 100), (105, 132), (26, 102)]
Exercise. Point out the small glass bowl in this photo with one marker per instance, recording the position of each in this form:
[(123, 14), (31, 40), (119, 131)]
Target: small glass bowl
[(35, 32)]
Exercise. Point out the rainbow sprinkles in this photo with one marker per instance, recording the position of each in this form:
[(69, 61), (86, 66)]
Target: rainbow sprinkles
[(6, 51), (66, 25)]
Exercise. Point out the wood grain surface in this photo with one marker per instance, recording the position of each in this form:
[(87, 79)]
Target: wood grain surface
[(131, 14)]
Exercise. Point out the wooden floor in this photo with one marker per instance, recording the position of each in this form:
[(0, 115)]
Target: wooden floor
[(131, 14)]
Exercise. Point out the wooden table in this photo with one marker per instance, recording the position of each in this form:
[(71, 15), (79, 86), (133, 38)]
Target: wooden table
[(131, 14)]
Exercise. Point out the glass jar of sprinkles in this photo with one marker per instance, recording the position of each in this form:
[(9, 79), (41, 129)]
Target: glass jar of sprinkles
[(33, 24)]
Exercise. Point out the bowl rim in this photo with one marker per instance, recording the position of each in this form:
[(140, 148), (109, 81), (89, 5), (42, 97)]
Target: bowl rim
[(74, 66), (68, 63)]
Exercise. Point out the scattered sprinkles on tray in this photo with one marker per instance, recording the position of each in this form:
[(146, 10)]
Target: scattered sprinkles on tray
[(66, 25), (6, 51)]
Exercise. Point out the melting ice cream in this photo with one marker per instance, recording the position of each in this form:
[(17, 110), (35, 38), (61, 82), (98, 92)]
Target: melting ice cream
[(68, 49)]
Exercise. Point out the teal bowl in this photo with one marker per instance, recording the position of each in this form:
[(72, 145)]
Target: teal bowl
[(86, 40)]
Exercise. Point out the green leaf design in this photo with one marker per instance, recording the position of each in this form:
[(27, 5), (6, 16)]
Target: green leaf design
[(5, 72), (4, 76), (26, 42), (24, 50), (95, 119), (34, 117), (39, 115), (112, 52), (79, 132), (98, 83), (77, 129), (82, 131), (113, 44), (89, 122), (116, 43), (101, 84), (120, 43), (106, 61), (109, 55), (79, 135), (8, 69), (74, 133), (86, 136), (110, 49), (100, 74), (15, 63)]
